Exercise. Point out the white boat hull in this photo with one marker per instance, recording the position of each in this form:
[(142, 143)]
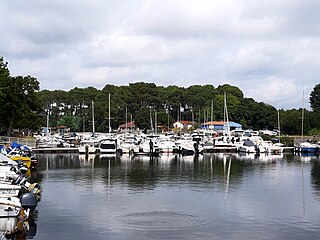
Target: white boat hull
[(10, 215), (87, 150), (9, 190)]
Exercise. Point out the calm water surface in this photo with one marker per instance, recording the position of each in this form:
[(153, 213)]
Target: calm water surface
[(209, 197)]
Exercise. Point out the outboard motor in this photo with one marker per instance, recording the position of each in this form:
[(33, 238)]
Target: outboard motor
[(29, 201), (23, 170), (21, 179), (34, 161)]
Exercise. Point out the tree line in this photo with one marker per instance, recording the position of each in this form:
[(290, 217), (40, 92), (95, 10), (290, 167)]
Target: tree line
[(24, 106)]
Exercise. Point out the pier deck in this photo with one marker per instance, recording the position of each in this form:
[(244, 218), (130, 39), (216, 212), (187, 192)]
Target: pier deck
[(55, 150)]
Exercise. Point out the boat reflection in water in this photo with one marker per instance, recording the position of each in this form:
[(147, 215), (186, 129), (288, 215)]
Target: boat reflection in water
[(306, 157)]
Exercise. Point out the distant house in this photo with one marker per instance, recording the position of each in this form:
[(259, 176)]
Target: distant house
[(221, 125), (162, 128), (128, 126), (62, 130), (183, 125)]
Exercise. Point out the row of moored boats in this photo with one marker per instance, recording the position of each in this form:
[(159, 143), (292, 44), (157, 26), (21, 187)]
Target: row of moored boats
[(186, 144), (18, 197)]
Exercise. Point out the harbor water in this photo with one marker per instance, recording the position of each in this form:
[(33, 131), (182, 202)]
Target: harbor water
[(214, 196)]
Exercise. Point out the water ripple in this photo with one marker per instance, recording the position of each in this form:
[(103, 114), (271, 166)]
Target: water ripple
[(160, 220)]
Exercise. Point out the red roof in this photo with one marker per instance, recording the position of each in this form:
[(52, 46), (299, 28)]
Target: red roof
[(215, 123), (128, 125), (186, 122)]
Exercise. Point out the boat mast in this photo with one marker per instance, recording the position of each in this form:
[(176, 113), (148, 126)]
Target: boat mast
[(302, 116), (48, 112), (93, 130), (226, 113), (126, 121), (109, 114), (83, 118), (151, 121), (279, 123), (211, 112), (204, 118), (155, 122), (192, 116)]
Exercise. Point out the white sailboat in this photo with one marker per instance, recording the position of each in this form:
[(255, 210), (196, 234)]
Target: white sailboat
[(89, 146), (108, 145), (224, 143), (305, 146)]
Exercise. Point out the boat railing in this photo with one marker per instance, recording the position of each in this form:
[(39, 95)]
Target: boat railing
[(30, 142)]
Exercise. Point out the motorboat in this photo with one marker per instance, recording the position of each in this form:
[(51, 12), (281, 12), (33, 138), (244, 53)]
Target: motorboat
[(146, 147), (107, 146), (269, 147), (186, 146), (12, 215), (14, 211), (89, 146), (248, 146), (306, 147), (222, 144), (127, 144), (166, 146), (20, 156)]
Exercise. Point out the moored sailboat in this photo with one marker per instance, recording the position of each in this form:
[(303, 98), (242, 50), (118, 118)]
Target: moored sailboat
[(302, 146)]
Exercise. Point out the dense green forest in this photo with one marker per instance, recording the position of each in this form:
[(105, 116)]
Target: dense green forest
[(24, 106)]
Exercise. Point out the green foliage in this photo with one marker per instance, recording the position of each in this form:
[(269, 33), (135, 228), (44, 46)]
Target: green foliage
[(315, 98), (230, 90), (291, 121), (71, 122), (18, 100), (22, 105), (139, 98), (142, 118), (314, 132), (163, 119)]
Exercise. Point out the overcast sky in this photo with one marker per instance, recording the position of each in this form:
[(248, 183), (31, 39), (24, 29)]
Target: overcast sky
[(268, 48)]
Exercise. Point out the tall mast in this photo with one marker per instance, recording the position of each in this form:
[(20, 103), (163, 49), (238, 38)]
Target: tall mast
[(126, 121), (211, 111), (48, 113), (155, 123), (302, 116), (168, 121), (204, 118), (109, 115), (279, 123), (93, 130), (226, 113), (192, 114), (151, 123), (224, 107)]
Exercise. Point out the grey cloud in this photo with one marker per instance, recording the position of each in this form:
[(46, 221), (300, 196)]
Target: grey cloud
[(253, 45)]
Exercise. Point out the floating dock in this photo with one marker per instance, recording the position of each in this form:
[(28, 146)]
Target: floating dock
[(218, 149), (55, 150), (288, 149)]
